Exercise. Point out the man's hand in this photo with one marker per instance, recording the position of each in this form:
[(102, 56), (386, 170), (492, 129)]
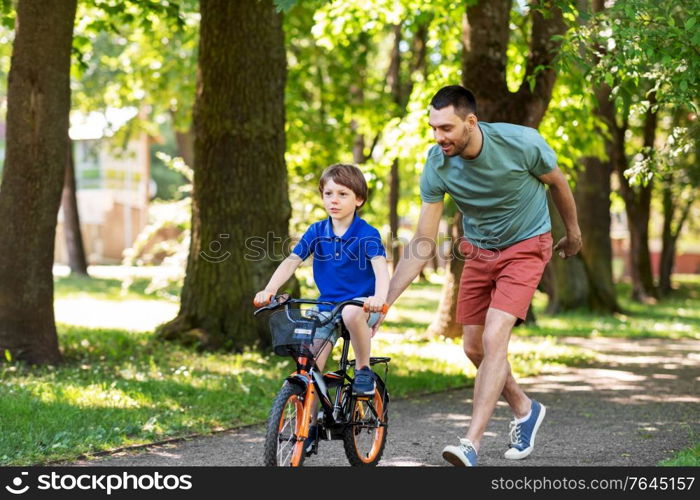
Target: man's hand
[(568, 246), (376, 326)]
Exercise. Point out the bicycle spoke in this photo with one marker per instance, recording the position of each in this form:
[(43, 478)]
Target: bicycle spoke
[(287, 436)]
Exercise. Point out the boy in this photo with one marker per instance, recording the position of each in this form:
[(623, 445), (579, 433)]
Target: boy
[(349, 262)]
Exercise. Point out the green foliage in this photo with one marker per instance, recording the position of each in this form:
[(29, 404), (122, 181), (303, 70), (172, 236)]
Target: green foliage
[(7, 14), (635, 41), (137, 53), (646, 52)]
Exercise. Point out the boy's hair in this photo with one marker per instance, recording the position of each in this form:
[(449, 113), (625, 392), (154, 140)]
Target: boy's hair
[(462, 99), (346, 175)]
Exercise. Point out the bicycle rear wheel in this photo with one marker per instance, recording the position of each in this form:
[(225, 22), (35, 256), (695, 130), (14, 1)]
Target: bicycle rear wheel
[(282, 448), (365, 436)]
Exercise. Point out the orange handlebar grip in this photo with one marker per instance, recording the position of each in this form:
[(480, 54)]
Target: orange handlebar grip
[(385, 308)]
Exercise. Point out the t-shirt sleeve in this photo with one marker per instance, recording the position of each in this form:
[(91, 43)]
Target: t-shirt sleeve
[(306, 244), (432, 189), (372, 245), (541, 159)]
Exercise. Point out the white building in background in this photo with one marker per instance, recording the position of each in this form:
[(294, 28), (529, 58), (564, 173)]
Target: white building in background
[(113, 185)]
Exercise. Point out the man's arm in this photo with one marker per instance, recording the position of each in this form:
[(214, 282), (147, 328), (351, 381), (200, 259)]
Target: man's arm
[(564, 200), (420, 250)]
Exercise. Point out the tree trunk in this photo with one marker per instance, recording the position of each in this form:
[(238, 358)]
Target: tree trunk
[(638, 208), (185, 145), (444, 322), (71, 220), (592, 196), (484, 58), (670, 235), (668, 250), (38, 103), (240, 204), (569, 286), (394, 81)]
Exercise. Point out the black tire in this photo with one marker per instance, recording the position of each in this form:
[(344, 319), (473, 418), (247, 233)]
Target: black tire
[(282, 449), (365, 438)]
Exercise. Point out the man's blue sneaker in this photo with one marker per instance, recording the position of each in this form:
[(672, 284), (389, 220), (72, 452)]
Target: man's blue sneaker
[(522, 434), (463, 455), (310, 441), (363, 385)]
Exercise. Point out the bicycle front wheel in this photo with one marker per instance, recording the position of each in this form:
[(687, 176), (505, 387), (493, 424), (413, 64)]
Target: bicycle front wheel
[(282, 448), (365, 436)]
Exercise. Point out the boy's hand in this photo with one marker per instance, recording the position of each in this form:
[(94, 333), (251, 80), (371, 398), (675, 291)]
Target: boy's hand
[(263, 298), (373, 304)]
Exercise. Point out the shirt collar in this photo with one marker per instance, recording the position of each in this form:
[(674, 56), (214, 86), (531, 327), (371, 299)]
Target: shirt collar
[(352, 229)]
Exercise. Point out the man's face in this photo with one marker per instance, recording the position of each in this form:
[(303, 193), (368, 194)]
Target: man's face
[(452, 133)]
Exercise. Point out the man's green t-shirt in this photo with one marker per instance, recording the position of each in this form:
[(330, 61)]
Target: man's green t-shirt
[(502, 200)]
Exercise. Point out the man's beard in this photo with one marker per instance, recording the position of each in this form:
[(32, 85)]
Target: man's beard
[(458, 150)]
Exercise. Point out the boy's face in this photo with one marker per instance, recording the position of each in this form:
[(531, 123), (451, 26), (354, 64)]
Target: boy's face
[(340, 201)]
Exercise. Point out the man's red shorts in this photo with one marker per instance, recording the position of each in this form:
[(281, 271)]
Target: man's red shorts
[(504, 279)]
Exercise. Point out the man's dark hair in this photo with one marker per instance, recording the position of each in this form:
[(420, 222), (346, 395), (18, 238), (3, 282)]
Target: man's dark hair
[(455, 95)]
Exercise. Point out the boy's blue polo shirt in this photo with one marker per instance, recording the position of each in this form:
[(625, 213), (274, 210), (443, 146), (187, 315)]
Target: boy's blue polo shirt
[(342, 267)]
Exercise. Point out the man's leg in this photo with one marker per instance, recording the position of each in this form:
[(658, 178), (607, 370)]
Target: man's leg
[(493, 371), (472, 340)]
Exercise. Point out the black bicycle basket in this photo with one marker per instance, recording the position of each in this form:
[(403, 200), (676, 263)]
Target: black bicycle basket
[(297, 332)]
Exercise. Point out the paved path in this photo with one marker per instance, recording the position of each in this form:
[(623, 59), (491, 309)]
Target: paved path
[(638, 405)]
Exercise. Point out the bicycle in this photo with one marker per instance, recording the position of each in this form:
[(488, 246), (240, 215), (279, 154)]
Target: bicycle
[(361, 422)]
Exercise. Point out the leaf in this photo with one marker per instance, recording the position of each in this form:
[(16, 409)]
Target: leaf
[(690, 23), (285, 5), (8, 355)]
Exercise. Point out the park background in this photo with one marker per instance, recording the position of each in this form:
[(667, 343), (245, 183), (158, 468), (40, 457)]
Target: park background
[(144, 142)]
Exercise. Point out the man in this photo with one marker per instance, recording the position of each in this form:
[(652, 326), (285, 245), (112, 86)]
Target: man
[(496, 173)]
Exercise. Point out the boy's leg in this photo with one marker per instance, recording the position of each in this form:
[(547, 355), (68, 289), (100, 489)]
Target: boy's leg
[(355, 320), (322, 356), (516, 398)]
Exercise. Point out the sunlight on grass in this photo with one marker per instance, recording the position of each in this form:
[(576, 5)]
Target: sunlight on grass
[(686, 458), (119, 386), (135, 315)]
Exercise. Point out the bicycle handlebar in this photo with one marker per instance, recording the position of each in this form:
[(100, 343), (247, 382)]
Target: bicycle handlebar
[(284, 299)]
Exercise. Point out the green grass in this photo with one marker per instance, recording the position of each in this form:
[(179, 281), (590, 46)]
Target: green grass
[(688, 457), (71, 287), (118, 388), (674, 317)]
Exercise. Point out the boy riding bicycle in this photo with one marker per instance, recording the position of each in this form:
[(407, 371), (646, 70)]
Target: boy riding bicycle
[(349, 262)]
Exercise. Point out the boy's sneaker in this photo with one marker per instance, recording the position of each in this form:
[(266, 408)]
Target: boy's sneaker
[(522, 434), (463, 455), (310, 441), (363, 385)]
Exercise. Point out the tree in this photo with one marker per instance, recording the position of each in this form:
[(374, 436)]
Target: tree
[(486, 38), (593, 187), (240, 179), (680, 186), (642, 56), (71, 219), (35, 164)]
